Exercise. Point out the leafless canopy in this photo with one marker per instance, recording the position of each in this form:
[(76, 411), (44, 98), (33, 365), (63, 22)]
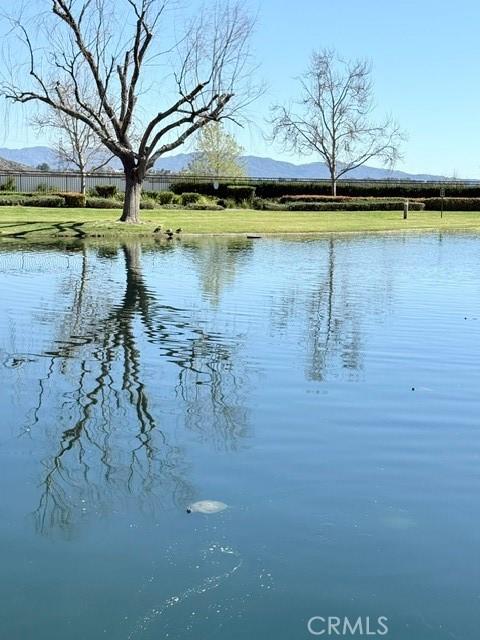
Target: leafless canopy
[(75, 143), (153, 81), (333, 117)]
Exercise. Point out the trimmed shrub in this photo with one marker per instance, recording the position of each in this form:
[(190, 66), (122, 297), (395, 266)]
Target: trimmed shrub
[(105, 190), (103, 203), (12, 200), (355, 205), (452, 204), (147, 203), (45, 201), (241, 193), (227, 203), (205, 207), (73, 199), (186, 186), (149, 195), (274, 206), (270, 189), (265, 205), (306, 198), (8, 185), (165, 197), (189, 198)]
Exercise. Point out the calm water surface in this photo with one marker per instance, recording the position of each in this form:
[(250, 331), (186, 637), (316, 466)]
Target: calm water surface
[(327, 390)]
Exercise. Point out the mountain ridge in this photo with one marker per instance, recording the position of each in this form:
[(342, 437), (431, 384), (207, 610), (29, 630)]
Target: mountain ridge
[(256, 166)]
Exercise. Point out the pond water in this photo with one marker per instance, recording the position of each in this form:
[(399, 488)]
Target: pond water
[(326, 390)]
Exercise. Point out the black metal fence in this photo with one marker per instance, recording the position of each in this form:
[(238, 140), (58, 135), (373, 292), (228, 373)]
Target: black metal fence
[(32, 181)]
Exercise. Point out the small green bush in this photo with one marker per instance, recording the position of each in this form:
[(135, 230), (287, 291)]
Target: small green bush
[(8, 185), (226, 203), (12, 200), (45, 201), (73, 199), (189, 198), (105, 190), (241, 193), (165, 197), (265, 205), (103, 203), (147, 203), (149, 195), (452, 204)]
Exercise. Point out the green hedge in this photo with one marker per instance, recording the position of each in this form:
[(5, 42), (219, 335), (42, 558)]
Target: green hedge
[(240, 193), (205, 207), (164, 197), (225, 189), (304, 198), (265, 205), (452, 204), (105, 190), (147, 203), (411, 190), (45, 201), (269, 189), (103, 203), (355, 205), (73, 199), (12, 200), (189, 198)]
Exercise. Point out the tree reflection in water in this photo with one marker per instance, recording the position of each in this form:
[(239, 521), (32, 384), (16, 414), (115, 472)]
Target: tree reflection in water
[(328, 309), (126, 369), (114, 447)]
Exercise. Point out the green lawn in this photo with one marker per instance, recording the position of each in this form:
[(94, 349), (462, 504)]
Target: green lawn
[(41, 223)]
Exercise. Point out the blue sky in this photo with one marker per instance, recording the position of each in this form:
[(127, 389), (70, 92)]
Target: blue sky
[(426, 72)]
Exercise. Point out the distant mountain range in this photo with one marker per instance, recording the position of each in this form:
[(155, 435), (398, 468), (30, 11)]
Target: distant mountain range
[(256, 166)]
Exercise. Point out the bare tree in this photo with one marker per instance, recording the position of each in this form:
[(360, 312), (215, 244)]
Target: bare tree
[(197, 73), (333, 117), (76, 144)]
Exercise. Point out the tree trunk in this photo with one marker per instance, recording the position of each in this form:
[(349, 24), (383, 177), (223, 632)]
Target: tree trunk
[(333, 176), (83, 186), (131, 206)]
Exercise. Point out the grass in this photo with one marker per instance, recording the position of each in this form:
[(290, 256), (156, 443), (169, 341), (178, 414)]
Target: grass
[(40, 223)]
